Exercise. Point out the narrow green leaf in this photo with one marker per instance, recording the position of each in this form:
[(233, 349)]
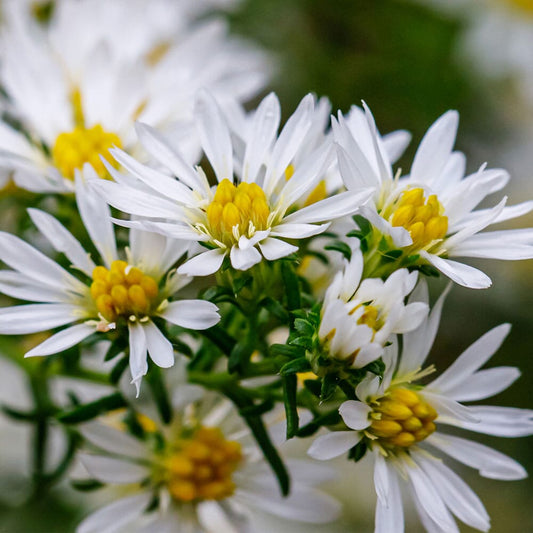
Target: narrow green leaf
[(240, 283), (118, 370), (305, 342), (159, 390), (329, 385), (276, 309), (91, 410), (86, 485), (239, 356), (117, 347), (342, 247), (293, 367), (289, 399), (358, 451), (364, 225), (292, 285)]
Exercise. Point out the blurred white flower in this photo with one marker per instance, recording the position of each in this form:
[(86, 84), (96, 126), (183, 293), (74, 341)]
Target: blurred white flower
[(203, 473), (396, 418), (78, 84)]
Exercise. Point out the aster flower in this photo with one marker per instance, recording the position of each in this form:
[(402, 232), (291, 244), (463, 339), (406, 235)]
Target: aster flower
[(359, 317), (430, 214), (396, 419), (76, 93), (251, 212), (116, 294), (202, 473)]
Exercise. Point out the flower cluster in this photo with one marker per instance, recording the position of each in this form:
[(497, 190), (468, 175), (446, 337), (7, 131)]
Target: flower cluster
[(178, 231)]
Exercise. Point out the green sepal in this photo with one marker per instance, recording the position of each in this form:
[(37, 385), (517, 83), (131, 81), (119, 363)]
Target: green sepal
[(329, 385), (305, 342), (287, 350), (358, 451), (91, 410)]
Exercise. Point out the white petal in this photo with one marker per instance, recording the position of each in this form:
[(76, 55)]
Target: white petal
[(337, 206), (113, 440), (115, 516), (381, 479), (333, 444), (263, 132), (355, 414), (395, 144), (112, 470), (134, 201), (214, 135), (22, 257), (418, 343), (274, 249), (203, 264), (22, 287), (62, 340), (159, 182), (456, 494), (490, 463), (36, 317), (62, 240), (475, 356), (497, 421), (244, 258), (96, 216), (389, 518), (412, 316), (138, 362), (297, 231), (446, 407), (192, 314), (155, 144), (464, 275), (212, 517), (159, 347), (484, 384), (435, 148)]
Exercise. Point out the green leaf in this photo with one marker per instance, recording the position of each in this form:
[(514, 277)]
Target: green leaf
[(305, 342), (342, 247), (276, 309), (91, 410), (289, 399), (286, 350), (117, 347), (160, 393), (293, 367), (327, 419), (239, 356), (86, 485), (292, 285), (304, 327), (364, 225), (257, 409), (376, 367), (118, 370), (240, 283), (429, 271), (182, 347), (391, 256)]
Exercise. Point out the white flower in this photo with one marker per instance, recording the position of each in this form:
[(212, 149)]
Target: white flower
[(431, 212), (121, 294), (396, 419), (358, 317), (252, 211), (77, 93), (201, 474)]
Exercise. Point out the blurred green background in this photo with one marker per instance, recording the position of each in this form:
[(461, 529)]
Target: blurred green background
[(408, 61)]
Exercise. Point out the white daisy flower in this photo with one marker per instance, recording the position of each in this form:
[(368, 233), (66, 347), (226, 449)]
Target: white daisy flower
[(202, 474), (116, 294), (397, 419), (77, 94), (359, 317), (251, 211), (430, 214)]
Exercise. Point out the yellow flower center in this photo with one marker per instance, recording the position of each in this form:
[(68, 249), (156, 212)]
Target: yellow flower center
[(422, 217), (237, 211), (72, 150), (200, 467), (123, 290), (524, 5), (402, 418)]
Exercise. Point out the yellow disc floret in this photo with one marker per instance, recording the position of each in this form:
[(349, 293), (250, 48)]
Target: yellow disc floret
[(72, 150), (123, 290), (402, 418), (523, 5), (236, 211), (200, 467), (422, 217)]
